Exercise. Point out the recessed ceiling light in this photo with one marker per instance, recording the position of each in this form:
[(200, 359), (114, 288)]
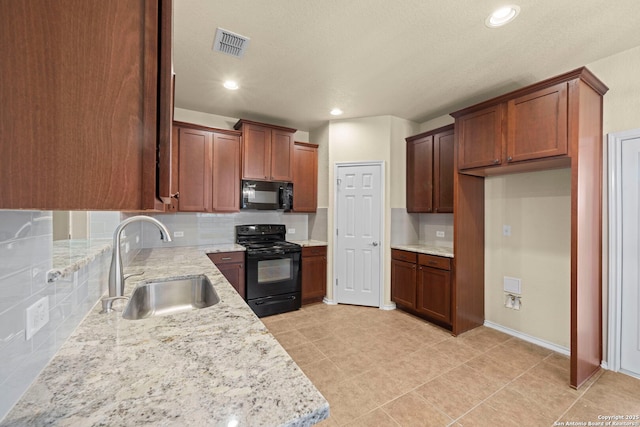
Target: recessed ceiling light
[(231, 85), (336, 112), (502, 16)]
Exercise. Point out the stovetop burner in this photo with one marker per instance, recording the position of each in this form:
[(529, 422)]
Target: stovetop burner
[(264, 239)]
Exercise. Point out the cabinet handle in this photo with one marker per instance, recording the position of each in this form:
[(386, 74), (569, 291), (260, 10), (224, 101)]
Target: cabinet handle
[(176, 195), (509, 159), (226, 259), (496, 161)]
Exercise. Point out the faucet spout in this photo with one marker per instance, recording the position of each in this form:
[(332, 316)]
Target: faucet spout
[(116, 272)]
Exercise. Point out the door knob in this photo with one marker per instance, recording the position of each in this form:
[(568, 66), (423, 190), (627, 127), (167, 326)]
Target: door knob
[(374, 244)]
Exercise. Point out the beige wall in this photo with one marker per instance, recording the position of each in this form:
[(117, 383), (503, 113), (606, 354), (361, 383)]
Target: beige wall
[(537, 206), (320, 136), (220, 122), (368, 139)]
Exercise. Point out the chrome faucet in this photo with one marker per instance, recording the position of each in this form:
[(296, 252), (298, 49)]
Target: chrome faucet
[(116, 272)]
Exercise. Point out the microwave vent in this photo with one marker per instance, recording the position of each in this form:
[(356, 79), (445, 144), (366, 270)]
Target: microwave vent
[(230, 43)]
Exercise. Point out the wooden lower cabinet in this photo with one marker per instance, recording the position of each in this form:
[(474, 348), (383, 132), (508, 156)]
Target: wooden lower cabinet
[(231, 265), (314, 274), (422, 284)]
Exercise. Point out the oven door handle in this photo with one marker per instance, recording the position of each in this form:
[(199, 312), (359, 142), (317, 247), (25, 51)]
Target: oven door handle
[(271, 256), (275, 300)]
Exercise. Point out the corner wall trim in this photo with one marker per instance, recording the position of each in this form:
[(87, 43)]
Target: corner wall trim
[(528, 338), (390, 306), (329, 301)]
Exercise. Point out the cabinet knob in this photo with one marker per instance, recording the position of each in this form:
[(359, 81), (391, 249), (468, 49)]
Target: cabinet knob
[(496, 161), (509, 159)]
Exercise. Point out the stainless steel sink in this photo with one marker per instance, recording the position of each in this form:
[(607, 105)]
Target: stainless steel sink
[(169, 296)]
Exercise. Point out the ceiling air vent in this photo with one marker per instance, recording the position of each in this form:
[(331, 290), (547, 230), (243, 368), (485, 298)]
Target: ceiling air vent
[(230, 43)]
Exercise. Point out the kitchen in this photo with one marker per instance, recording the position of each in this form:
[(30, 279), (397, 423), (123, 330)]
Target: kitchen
[(375, 136)]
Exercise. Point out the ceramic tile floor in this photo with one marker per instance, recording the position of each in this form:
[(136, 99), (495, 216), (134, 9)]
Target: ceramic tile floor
[(388, 368)]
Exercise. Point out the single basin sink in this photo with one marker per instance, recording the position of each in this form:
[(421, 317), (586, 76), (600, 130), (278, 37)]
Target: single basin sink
[(170, 296)]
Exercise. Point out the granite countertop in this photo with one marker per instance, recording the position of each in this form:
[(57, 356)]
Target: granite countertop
[(71, 255), (225, 247), (425, 248), (307, 243), (217, 366)]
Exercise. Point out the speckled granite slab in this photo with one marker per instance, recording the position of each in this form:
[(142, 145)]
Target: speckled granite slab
[(426, 249), (71, 255), (205, 367), (306, 243)]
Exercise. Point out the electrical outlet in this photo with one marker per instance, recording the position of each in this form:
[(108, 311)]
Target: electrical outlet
[(178, 234), (439, 233), (292, 231), (506, 230), (37, 316), (126, 248), (137, 239)]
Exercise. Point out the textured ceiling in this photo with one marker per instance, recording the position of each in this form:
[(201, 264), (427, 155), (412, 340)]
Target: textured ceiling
[(414, 59)]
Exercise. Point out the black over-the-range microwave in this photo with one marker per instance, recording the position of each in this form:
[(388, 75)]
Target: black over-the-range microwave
[(267, 195)]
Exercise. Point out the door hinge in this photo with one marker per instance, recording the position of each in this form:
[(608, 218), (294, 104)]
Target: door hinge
[(338, 182), (337, 232), (336, 282)]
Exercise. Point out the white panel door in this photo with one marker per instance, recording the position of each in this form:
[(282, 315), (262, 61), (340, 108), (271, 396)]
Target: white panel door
[(359, 216), (630, 297)]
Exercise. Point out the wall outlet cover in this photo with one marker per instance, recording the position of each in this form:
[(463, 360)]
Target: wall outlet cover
[(37, 316), (291, 231), (178, 234), (439, 233)]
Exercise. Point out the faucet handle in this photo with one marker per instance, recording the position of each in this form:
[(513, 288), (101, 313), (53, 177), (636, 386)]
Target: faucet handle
[(107, 303), (126, 276)]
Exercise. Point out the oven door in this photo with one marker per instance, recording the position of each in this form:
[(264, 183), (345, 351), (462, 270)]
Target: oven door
[(273, 274)]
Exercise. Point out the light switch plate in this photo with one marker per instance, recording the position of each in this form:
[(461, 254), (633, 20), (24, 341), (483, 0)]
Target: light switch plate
[(506, 230)]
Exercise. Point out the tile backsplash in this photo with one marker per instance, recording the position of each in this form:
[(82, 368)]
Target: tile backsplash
[(214, 229), (410, 228), (26, 246)]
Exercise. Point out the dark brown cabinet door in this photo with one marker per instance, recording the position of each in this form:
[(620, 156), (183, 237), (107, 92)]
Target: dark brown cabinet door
[(226, 173), (305, 178), (420, 174), (537, 124), (480, 137), (403, 283), (282, 146), (314, 274), (194, 170), (443, 148), (256, 155), (434, 293), (86, 103), (231, 265)]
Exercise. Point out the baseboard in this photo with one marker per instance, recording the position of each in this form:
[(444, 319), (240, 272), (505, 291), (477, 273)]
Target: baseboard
[(528, 338), (329, 301), (390, 306), (604, 365)]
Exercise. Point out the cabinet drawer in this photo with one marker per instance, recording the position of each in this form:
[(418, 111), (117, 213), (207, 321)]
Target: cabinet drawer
[(314, 251), (226, 257), (404, 255), (442, 263)]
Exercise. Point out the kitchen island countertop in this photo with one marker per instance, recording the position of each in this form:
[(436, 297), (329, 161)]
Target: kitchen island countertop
[(217, 366)]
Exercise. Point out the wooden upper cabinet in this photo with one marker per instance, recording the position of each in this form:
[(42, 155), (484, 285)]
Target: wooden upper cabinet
[(208, 169), (282, 147), (537, 124), (480, 137), (226, 173), (194, 170), (420, 174), (89, 85), (525, 130), (430, 171), (305, 177), (443, 169), (267, 151)]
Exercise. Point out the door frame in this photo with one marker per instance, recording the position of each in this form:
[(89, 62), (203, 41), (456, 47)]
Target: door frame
[(336, 169), (614, 327)]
